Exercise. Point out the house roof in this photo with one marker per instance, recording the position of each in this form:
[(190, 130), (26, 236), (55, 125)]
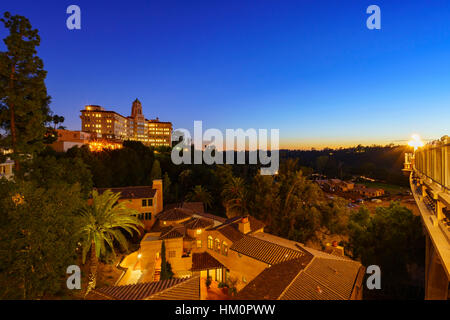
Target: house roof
[(324, 279), (172, 234), (255, 224), (204, 261), (174, 214), (185, 290), (211, 216), (265, 251), (137, 192), (231, 233), (316, 275), (137, 291), (271, 283), (198, 223), (194, 206)]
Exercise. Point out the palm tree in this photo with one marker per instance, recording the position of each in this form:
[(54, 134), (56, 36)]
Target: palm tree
[(235, 197), (100, 223), (202, 195)]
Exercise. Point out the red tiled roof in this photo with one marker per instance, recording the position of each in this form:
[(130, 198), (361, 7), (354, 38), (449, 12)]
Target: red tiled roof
[(186, 290), (137, 192), (172, 234), (211, 216), (231, 233), (255, 224), (315, 276), (271, 283), (197, 223), (204, 261), (265, 251), (137, 291), (174, 214), (324, 279), (194, 206)]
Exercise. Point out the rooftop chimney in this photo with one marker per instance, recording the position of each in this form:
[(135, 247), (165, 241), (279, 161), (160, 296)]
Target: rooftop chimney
[(334, 249), (244, 225)]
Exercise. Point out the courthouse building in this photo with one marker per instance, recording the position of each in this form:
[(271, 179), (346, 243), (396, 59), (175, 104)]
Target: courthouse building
[(109, 125)]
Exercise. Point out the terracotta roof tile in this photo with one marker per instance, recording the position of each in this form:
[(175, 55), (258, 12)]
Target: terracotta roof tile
[(174, 214), (172, 234), (186, 290), (198, 223), (265, 251), (271, 283), (203, 261), (131, 192), (337, 277), (231, 233), (137, 291)]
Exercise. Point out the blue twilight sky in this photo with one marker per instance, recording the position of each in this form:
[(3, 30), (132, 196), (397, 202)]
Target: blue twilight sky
[(308, 67)]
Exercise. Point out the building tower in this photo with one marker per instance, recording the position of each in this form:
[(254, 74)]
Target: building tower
[(136, 110)]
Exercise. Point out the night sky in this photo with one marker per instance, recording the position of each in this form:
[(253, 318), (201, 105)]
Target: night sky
[(309, 68)]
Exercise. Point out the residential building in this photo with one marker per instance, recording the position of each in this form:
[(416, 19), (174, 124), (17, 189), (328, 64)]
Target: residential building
[(200, 245), (6, 169), (67, 139), (146, 200), (109, 125), (429, 171)]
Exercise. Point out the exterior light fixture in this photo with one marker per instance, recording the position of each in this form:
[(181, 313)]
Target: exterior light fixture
[(415, 142)]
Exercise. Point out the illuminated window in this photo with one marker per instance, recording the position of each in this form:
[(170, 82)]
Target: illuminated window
[(210, 242), (225, 248), (217, 245), (199, 243)]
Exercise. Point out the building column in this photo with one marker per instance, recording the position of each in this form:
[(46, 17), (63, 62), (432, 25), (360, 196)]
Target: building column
[(436, 281)]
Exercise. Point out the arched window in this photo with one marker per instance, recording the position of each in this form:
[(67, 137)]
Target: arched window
[(217, 245), (224, 248), (210, 242)]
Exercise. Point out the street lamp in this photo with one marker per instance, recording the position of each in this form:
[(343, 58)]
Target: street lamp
[(415, 141)]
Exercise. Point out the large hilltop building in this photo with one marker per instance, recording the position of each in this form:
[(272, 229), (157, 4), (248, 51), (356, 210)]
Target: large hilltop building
[(109, 125)]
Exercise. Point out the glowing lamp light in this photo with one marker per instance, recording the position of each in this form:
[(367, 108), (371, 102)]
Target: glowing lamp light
[(139, 255), (415, 142)]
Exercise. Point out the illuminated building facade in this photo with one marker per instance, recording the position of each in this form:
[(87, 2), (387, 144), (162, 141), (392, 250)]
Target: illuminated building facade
[(110, 125)]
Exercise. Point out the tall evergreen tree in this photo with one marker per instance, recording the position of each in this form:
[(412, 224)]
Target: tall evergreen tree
[(156, 170), (166, 268), (24, 103)]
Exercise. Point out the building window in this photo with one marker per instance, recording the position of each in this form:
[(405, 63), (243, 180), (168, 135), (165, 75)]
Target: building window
[(210, 242), (225, 248), (199, 243), (217, 245), (144, 202), (172, 254), (150, 202)]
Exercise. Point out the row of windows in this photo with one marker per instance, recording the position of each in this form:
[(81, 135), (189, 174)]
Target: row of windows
[(147, 202), (217, 245), (145, 216)]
